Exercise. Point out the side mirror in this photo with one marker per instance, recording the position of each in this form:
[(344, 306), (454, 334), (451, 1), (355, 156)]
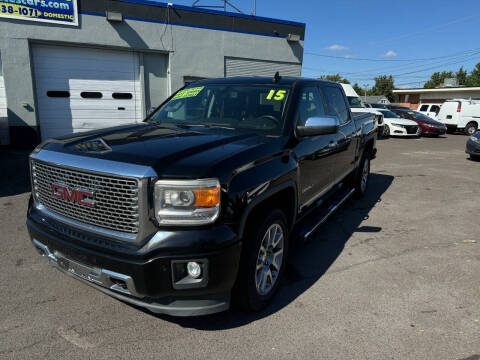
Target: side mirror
[(321, 125)]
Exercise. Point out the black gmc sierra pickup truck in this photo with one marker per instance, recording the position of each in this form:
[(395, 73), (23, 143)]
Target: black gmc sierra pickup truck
[(197, 206)]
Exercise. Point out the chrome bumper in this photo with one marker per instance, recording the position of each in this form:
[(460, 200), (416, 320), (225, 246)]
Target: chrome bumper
[(108, 279)]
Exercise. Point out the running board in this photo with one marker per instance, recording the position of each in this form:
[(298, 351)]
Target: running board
[(326, 214)]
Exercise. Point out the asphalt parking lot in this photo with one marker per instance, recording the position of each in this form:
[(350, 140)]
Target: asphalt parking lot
[(392, 276)]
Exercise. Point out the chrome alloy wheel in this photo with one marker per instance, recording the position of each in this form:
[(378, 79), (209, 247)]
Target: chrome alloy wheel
[(269, 260), (365, 173)]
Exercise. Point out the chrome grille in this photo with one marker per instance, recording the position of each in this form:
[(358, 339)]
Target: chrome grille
[(116, 198)]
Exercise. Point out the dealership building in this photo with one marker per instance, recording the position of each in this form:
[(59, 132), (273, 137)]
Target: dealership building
[(80, 65)]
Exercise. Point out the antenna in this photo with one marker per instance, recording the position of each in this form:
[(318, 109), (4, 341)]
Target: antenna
[(224, 6), (276, 77)]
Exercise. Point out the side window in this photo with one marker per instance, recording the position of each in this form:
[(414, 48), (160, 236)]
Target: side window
[(336, 104), (310, 104), (424, 108), (435, 109)]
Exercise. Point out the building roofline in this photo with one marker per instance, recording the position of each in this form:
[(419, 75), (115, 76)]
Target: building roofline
[(439, 90), (215, 12)]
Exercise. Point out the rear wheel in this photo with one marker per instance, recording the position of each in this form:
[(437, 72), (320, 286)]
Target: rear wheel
[(471, 128), (363, 175), (263, 261), (475, 157)]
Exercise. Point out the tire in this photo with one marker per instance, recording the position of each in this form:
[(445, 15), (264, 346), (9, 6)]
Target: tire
[(474, 157), (362, 176), (419, 132), (260, 271), (470, 129), (386, 131)]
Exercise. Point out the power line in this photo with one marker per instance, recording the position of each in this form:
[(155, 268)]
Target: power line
[(380, 60)]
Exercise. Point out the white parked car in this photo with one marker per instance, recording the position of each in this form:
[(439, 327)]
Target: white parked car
[(358, 106), (394, 125), (431, 110), (460, 114)]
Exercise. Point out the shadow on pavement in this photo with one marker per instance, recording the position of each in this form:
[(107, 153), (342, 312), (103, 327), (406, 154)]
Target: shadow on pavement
[(14, 173), (307, 262)]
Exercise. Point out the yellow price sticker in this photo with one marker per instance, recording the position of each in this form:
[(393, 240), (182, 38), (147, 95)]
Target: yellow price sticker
[(186, 93), (276, 94)]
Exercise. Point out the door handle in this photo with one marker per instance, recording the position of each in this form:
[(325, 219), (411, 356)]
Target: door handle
[(332, 144), (121, 108)]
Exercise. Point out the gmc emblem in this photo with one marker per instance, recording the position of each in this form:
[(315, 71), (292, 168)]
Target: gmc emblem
[(82, 197)]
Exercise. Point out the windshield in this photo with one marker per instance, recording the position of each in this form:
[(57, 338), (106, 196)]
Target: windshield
[(355, 102), (389, 114), (257, 108)]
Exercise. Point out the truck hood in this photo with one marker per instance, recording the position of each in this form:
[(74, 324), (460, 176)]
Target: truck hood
[(170, 150)]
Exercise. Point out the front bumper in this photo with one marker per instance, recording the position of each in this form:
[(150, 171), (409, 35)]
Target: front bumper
[(472, 148), (411, 130), (145, 276), (426, 130)]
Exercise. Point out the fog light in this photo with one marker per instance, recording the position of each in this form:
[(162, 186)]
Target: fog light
[(194, 269)]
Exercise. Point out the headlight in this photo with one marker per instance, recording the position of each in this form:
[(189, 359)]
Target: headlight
[(187, 202), (475, 139), (398, 125)]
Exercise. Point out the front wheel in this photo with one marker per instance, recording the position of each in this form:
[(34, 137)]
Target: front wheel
[(263, 261), (475, 157), (386, 131), (470, 129)]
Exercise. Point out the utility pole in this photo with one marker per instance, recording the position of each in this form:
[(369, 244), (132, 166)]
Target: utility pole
[(365, 86), (254, 7)]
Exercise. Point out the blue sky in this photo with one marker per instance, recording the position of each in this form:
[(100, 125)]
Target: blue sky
[(444, 32)]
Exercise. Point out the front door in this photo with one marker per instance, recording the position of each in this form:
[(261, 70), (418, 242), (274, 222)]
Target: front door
[(314, 153)]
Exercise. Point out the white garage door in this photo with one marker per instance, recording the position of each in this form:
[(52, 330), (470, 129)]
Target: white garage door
[(252, 67), (3, 110), (81, 89)]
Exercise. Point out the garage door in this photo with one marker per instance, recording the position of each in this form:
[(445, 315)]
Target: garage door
[(3, 110), (252, 67), (81, 89)]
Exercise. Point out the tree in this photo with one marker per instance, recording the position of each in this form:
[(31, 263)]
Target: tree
[(437, 79), (358, 90), (461, 76), (474, 78), (384, 86), (336, 78)]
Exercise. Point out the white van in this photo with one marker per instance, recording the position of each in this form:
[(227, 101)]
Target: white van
[(431, 110), (460, 114), (358, 106)]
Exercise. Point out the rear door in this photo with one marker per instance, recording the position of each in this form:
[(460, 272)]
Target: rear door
[(433, 111), (449, 113), (345, 139), (315, 154)]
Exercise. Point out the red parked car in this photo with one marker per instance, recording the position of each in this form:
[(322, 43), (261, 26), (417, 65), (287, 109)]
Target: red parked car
[(427, 124)]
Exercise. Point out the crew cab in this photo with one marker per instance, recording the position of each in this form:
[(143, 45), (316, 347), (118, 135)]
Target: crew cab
[(196, 208)]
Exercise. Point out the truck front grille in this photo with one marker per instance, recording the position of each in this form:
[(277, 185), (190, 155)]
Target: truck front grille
[(115, 199)]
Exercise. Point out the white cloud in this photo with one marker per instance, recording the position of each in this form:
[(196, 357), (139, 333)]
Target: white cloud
[(336, 47), (349, 57), (390, 54)]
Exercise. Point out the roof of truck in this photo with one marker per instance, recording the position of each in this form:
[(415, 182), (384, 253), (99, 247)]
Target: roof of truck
[(260, 80)]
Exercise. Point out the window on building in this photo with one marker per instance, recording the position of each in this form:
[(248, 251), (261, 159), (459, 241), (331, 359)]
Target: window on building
[(122, 96), (91, 95)]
